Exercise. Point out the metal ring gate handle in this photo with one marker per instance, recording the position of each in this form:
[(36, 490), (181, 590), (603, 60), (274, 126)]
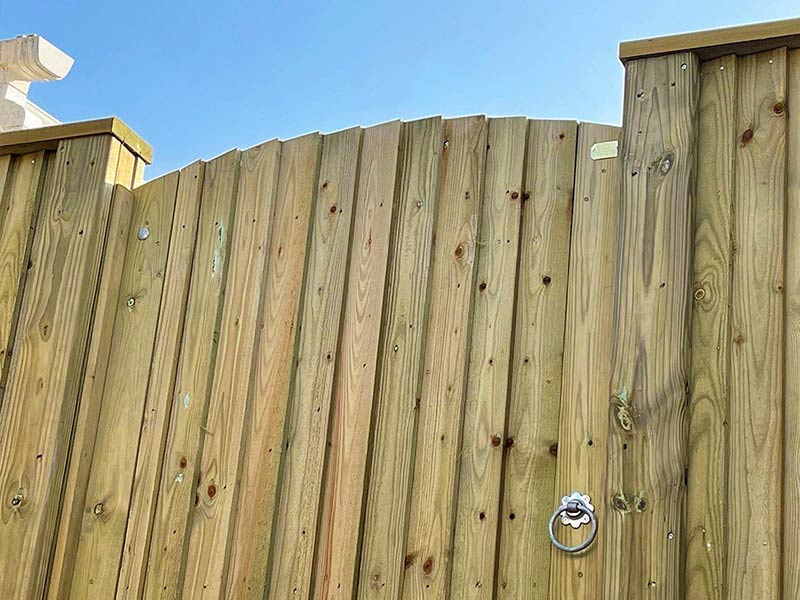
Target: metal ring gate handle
[(574, 506)]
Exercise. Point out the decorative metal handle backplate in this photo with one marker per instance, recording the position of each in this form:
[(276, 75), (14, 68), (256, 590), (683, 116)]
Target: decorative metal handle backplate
[(575, 510)]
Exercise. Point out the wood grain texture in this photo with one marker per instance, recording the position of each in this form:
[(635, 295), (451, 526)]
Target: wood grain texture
[(706, 500), (649, 378), (21, 181), (715, 43), (309, 405), (432, 511), (161, 383), (791, 439), (105, 512), (532, 424), (583, 424), (344, 488), (46, 367), (756, 374), (488, 375), (401, 352), (177, 489), (91, 395), (273, 368), (211, 529)]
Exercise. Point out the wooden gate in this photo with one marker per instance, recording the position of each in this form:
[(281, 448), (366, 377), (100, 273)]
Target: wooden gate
[(370, 364)]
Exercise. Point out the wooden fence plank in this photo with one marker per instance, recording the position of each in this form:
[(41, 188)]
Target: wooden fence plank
[(432, 510), (756, 376), (649, 381), (529, 471), (273, 368), (401, 355), (583, 421), (21, 181), (37, 415), (155, 421), (791, 442), (706, 502), (107, 497), (91, 395), (340, 520), (211, 527), (475, 538), (309, 406), (177, 490)]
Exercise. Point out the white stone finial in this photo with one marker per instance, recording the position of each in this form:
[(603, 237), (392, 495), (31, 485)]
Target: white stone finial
[(24, 59)]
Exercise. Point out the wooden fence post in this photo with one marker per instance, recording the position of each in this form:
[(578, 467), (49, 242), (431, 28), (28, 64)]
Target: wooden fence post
[(647, 405)]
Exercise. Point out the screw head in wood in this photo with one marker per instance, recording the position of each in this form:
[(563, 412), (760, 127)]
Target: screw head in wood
[(143, 233), (16, 500), (131, 302), (98, 509)]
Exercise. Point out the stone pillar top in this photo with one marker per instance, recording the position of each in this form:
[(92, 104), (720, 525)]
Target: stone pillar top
[(24, 59)]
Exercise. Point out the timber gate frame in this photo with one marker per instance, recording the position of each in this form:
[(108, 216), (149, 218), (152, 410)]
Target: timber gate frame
[(371, 364)]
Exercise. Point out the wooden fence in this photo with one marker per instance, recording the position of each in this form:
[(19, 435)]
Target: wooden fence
[(369, 364), (321, 367)]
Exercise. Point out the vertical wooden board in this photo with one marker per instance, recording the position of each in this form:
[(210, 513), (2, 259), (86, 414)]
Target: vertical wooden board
[(309, 406), (706, 503), (791, 441), (177, 489), (45, 372), (219, 466), (529, 470), (91, 395), (155, 419), (480, 461), (756, 376), (105, 512), (400, 355), (273, 367), (340, 519), (649, 379), (432, 510), (21, 180), (583, 420)]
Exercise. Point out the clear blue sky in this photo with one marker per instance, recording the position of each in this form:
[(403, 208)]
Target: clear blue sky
[(197, 78)]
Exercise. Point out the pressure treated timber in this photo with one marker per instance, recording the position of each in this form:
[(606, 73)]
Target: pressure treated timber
[(400, 376), (344, 488), (107, 498), (706, 509), (91, 395), (649, 377), (161, 384), (432, 512), (177, 490), (756, 374), (583, 427), (715, 43), (309, 405), (21, 180), (480, 460), (533, 408), (46, 368), (25, 141), (791, 439), (211, 528), (273, 368)]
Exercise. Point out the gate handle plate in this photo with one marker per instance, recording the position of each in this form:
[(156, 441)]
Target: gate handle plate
[(575, 510)]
